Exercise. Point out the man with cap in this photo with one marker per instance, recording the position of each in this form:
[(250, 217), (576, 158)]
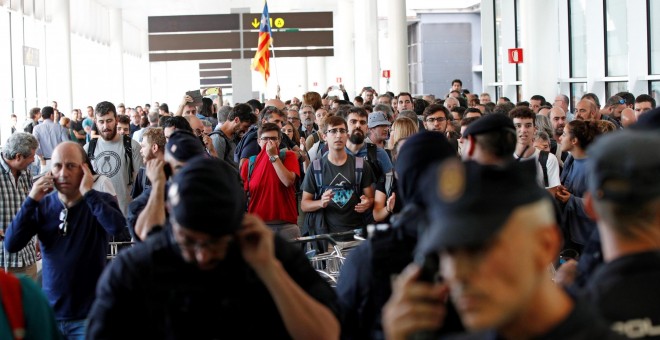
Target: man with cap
[(365, 280), (490, 140), (148, 209), (214, 273), (624, 195), (379, 129), (494, 263)]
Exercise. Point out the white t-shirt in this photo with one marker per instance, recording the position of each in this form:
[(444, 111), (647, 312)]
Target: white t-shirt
[(110, 161), (103, 184), (552, 165)]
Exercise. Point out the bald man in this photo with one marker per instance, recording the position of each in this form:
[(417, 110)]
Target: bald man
[(275, 102), (588, 110), (628, 117)]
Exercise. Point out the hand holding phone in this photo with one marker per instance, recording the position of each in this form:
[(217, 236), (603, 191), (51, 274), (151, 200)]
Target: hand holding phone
[(196, 96), (42, 186)]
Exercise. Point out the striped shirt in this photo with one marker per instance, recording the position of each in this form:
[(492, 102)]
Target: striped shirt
[(12, 195)]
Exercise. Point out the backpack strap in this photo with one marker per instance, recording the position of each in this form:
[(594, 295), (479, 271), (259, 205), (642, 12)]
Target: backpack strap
[(91, 147), (317, 170), (128, 154), (543, 160), (359, 170), (372, 154), (10, 292)]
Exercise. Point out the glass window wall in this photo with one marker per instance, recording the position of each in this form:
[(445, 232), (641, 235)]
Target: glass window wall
[(654, 36), (616, 38), (578, 38)]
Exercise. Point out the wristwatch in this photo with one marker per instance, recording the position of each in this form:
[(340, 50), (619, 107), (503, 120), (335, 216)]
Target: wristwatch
[(273, 159)]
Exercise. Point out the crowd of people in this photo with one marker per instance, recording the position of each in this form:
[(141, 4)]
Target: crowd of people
[(501, 220)]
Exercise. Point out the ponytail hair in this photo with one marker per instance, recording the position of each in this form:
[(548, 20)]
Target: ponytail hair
[(584, 131)]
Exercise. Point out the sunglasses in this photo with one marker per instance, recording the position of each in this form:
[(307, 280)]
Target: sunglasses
[(63, 223)]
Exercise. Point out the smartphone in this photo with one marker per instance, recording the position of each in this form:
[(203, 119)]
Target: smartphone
[(213, 90), (196, 95), (167, 168), (430, 267)]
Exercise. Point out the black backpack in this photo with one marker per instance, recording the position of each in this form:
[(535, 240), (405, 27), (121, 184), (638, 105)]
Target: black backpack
[(543, 160), (128, 148), (372, 159)]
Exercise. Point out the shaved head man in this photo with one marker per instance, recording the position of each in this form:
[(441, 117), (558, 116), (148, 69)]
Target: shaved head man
[(587, 110)]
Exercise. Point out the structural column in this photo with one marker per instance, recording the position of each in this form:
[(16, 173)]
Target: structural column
[(117, 54), (397, 29), (58, 55), (344, 47), (367, 65), (540, 68)]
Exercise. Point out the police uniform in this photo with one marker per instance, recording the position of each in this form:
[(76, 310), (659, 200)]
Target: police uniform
[(625, 168), (365, 282)]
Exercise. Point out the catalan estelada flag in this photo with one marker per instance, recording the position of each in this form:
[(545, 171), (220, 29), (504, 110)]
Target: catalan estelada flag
[(261, 58)]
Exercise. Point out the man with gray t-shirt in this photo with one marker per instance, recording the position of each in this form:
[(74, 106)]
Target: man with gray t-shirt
[(110, 154)]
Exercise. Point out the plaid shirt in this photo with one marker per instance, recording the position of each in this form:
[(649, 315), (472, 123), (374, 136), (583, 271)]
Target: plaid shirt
[(12, 195)]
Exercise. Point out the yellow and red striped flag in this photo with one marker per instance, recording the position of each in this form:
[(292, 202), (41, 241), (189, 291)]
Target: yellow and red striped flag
[(261, 58)]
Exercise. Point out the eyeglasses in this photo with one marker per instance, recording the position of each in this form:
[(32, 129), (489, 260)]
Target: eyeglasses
[(438, 119), (337, 131), (64, 224), (265, 139), (622, 101), (198, 132)]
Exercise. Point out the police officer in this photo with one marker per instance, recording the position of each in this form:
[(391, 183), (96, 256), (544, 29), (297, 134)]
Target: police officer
[(213, 273), (365, 281), (494, 230), (624, 193)]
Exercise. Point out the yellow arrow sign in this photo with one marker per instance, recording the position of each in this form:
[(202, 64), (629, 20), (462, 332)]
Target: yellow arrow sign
[(255, 23)]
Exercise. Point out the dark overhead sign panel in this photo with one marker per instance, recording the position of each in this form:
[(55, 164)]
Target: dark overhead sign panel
[(205, 37)]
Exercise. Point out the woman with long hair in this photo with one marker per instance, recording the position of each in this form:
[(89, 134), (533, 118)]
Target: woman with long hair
[(385, 202), (577, 136)]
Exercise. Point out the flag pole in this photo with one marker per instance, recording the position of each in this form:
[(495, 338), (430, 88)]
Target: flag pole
[(277, 73)]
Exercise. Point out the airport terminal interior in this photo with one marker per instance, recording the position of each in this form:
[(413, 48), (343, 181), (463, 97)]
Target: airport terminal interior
[(500, 146)]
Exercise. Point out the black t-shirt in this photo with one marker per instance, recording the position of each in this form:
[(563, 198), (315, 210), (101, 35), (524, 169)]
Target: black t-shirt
[(340, 213), (151, 291), (626, 292)]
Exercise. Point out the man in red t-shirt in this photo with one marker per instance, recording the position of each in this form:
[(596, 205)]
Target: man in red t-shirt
[(270, 187)]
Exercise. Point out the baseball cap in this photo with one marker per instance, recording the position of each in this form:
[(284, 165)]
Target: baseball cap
[(489, 123), (205, 195), (377, 118), (625, 167), (183, 145), (468, 203)]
